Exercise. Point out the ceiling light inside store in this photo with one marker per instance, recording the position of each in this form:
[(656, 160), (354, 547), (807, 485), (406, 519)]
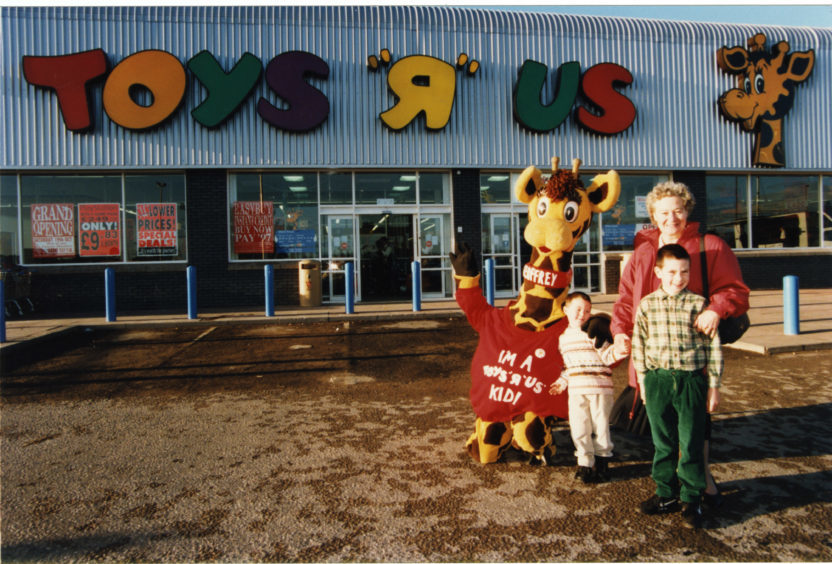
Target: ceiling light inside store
[(484, 188), (408, 178), (298, 178), (497, 178), (297, 188), (401, 188)]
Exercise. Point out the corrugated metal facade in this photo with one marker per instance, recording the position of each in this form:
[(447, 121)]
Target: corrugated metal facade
[(675, 89)]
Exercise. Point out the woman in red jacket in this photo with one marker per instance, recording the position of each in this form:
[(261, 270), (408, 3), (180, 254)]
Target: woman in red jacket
[(669, 204)]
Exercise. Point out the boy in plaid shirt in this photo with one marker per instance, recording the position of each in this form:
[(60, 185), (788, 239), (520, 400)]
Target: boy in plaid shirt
[(679, 372)]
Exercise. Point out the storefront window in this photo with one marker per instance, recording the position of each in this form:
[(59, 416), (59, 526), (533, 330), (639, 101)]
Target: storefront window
[(629, 215), (81, 219), (434, 188), (336, 188), (155, 218), (8, 220), (726, 208), (495, 188), (71, 219), (274, 216), (385, 188), (784, 211)]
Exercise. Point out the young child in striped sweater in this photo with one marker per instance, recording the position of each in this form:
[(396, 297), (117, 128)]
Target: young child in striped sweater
[(587, 376)]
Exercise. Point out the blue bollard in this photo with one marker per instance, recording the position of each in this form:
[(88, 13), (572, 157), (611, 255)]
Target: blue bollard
[(191, 275), (3, 311), (349, 288), (110, 293), (791, 306), (268, 272), (489, 281), (416, 269)]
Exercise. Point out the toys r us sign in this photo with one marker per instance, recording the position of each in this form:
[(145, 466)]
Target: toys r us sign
[(423, 85)]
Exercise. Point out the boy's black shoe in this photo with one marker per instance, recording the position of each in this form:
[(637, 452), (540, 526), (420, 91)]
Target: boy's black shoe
[(658, 505), (585, 475), (692, 514)]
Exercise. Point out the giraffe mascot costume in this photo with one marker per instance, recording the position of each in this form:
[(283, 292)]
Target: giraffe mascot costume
[(517, 357)]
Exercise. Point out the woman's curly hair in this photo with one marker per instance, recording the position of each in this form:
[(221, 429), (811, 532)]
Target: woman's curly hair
[(670, 188)]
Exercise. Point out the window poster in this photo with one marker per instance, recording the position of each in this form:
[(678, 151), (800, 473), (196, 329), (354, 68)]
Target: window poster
[(622, 235), (297, 241), (99, 230), (156, 230), (640, 203), (53, 230), (253, 227)]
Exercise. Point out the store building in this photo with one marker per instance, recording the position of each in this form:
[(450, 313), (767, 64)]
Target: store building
[(226, 138)]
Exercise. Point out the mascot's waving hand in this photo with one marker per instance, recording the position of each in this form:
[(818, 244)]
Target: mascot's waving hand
[(517, 357)]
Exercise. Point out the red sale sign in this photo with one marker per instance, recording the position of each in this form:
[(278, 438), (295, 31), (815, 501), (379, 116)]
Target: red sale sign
[(253, 227), (53, 230), (99, 230), (156, 230)]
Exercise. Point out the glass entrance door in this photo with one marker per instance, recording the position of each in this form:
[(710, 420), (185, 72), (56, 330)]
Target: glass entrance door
[(339, 246), (434, 237), (499, 243), (586, 260), (387, 249)]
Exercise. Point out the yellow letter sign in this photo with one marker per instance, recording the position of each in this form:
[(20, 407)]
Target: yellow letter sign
[(422, 84)]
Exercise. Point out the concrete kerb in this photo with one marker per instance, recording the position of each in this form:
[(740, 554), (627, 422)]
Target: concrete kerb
[(70, 333), (764, 337)]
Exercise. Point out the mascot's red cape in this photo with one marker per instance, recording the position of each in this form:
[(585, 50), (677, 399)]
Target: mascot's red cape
[(517, 358)]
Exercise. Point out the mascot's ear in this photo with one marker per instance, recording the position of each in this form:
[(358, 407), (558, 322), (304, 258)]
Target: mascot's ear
[(604, 191), (530, 181)]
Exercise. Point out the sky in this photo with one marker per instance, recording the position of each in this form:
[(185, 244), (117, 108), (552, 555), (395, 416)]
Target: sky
[(812, 13), (817, 14)]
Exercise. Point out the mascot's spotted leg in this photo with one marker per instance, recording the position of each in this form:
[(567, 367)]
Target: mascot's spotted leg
[(517, 357), (526, 432)]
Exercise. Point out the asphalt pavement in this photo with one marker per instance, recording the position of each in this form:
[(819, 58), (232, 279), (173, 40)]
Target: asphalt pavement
[(343, 441)]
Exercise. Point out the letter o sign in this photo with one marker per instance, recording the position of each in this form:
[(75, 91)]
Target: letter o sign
[(158, 71)]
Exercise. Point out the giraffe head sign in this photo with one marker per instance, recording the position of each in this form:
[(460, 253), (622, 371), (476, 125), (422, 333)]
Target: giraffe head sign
[(765, 92)]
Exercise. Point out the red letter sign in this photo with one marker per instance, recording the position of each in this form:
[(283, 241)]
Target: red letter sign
[(69, 76), (617, 112)]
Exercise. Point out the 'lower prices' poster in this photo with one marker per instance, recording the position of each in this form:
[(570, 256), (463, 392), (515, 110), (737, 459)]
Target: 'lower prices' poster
[(156, 230)]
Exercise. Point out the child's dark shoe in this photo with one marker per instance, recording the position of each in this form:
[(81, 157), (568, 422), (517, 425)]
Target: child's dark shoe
[(585, 475), (692, 514), (658, 505), (602, 470)]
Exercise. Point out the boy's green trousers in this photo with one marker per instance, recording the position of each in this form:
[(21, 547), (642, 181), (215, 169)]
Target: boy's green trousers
[(676, 404)]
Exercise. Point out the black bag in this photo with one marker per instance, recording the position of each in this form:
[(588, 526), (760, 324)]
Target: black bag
[(730, 328)]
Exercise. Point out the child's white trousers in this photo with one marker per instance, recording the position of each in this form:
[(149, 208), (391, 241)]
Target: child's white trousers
[(589, 424)]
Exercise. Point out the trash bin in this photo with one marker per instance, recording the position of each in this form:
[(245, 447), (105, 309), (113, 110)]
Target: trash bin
[(309, 283)]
